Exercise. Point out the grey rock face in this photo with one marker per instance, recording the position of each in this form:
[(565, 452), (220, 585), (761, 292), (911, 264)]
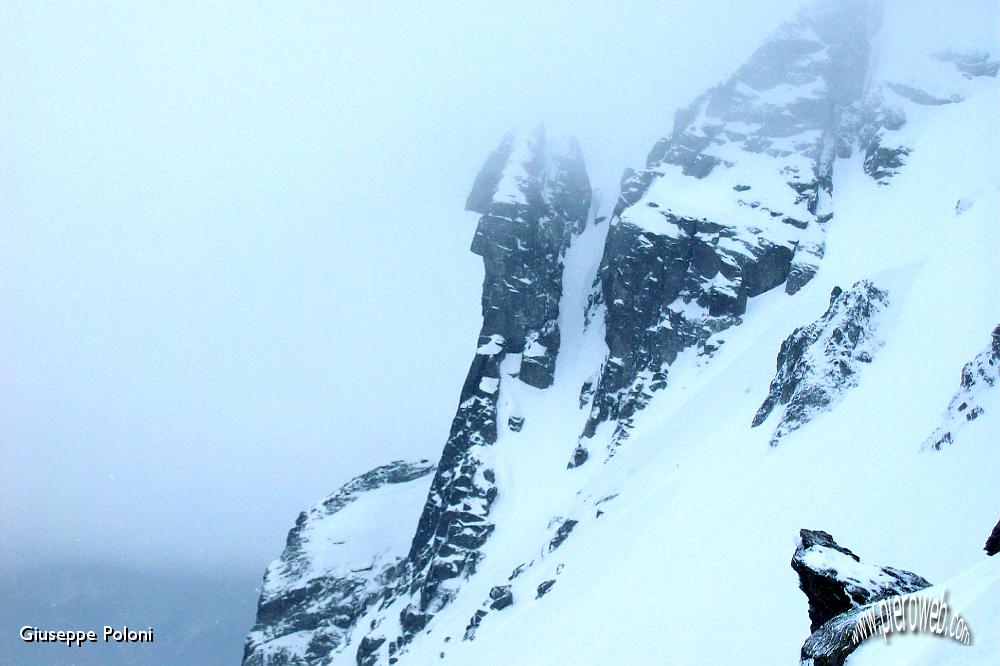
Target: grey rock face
[(544, 588), (503, 596), (839, 588), (500, 597), (883, 157), (731, 205), (331, 571), (978, 388), (819, 362), (534, 196)]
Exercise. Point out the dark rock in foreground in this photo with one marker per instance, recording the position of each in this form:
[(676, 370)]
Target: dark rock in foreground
[(839, 588)]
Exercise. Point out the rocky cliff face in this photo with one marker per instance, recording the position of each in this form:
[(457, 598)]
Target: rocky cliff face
[(534, 196), (731, 205), (978, 391), (819, 362), (341, 556), (839, 587)]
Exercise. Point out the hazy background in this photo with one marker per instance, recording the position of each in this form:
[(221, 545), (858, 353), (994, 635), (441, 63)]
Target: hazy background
[(234, 267)]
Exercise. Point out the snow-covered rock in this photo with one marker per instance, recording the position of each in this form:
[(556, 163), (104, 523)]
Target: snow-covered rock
[(339, 558), (731, 205), (840, 587), (835, 580), (978, 392), (534, 196), (973, 594), (819, 362), (919, 77)]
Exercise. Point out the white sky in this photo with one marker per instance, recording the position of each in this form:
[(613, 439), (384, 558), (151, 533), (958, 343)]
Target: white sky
[(234, 266)]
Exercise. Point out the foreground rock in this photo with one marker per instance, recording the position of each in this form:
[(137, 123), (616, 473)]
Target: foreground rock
[(839, 588), (993, 543)]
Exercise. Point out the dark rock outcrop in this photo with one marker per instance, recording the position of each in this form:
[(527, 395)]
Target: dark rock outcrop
[(883, 157), (979, 385), (731, 205), (831, 644), (544, 588), (474, 622), (839, 588), (331, 571), (500, 597), (534, 196), (835, 580), (561, 534), (992, 546), (819, 362)]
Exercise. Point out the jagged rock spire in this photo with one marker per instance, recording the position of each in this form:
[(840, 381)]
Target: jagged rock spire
[(534, 195)]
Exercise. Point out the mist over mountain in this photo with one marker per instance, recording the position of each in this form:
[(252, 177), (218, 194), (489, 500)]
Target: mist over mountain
[(762, 333), (540, 334)]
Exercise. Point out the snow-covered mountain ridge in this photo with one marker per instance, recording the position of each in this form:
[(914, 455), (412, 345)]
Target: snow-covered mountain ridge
[(340, 555), (604, 496)]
